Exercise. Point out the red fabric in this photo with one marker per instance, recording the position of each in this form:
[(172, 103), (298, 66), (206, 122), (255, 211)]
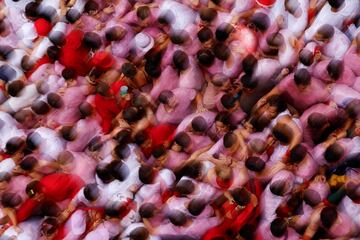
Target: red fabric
[(158, 134), (311, 14), (234, 222), (108, 108), (102, 60), (223, 185), (26, 210), (74, 55), (42, 27), (265, 3), (44, 60), (56, 187)]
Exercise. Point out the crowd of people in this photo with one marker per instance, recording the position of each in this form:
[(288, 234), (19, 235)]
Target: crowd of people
[(187, 119)]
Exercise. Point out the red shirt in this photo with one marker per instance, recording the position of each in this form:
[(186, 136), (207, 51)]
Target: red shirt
[(107, 107), (74, 55), (159, 135), (56, 187), (42, 27)]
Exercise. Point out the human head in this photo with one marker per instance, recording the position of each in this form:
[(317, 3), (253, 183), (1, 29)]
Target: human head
[(255, 164), (221, 51), (334, 153), (316, 120), (10, 200), (241, 196), (92, 40), (205, 57), (72, 15), (302, 77), (53, 52), (68, 133), (28, 163), (223, 31), (306, 57), (249, 63), (196, 206), (32, 189), (335, 69), (103, 172), (198, 124), (14, 145), (207, 14), (40, 107), (119, 170), (261, 21), (325, 32), (91, 192), (297, 154), (177, 218), (143, 12), (166, 96), (146, 174), (7, 73), (129, 69), (184, 187), (335, 4), (115, 33), (147, 210), (278, 227), (139, 233), (205, 34), (54, 100), (279, 187), (15, 87), (311, 197), (328, 216), (85, 109), (180, 60), (230, 140), (183, 140), (228, 101)]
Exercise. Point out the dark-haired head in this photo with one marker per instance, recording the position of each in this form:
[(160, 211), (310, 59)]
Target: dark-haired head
[(103, 172), (165, 96), (65, 157), (180, 60), (53, 53), (297, 154), (14, 145), (95, 144), (147, 210), (10, 200), (275, 40), (91, 192), (221, 51), (31, 10), (261, 21), (122, 151), (205, 57), (278, 187), (198, 124), (115, 33), (91, 7), (68, 133), (28, 163), (328, 216), (159, 152), (306, 57), (335, 69), (230, 139), (179, 37), (282, 132), (311, 197), (72, 15), (325, 32), (57, 38), (85, 109), (49, 226), (223, 31), (241, 196), (15, 87), (228, 101), (68, 73), (249, 63), (177, 218), (353, 108), (7, 73), (316, 120), (278, 227), (146, 174), (335, 4), (123, 137), (207, 14), (205, 34), (185, 187), (334, 153), (196, 206), (129, 69), (166, 18), (143, 12), (119, 170), (183, 140), (352, 190), (278, 102), (248, 82), (54, 100), (302, 77), (5, 51), (92, 40), (32, 188), (255, 164), (131, 114), (152, 69), (139, 233)]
